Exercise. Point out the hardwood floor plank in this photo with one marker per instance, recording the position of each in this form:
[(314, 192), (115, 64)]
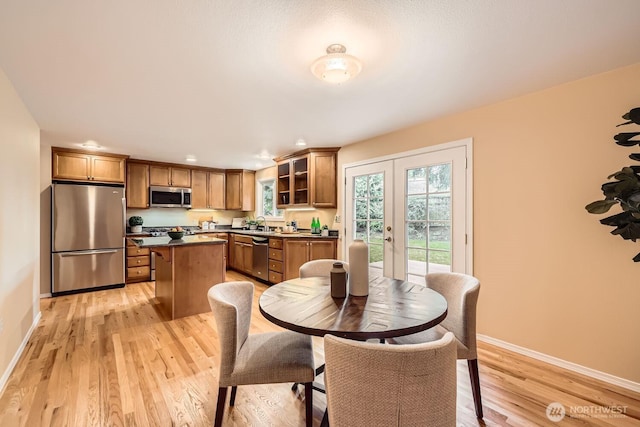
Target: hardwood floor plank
[(108, 358)]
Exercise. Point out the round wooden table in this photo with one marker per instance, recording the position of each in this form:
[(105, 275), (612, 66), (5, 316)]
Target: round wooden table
[(392, 309)]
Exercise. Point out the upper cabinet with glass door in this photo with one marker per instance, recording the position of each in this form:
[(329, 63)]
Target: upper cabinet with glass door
[(308, 178)]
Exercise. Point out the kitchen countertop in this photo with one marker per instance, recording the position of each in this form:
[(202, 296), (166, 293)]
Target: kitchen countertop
[(302, 234), (154, 242)]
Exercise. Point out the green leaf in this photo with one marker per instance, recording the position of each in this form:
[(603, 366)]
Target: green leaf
[(600, 206)]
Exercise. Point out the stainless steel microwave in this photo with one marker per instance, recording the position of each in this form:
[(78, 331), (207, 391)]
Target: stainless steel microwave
[(169, 197)]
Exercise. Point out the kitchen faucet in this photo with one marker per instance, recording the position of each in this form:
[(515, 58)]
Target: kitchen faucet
[(264, 221)]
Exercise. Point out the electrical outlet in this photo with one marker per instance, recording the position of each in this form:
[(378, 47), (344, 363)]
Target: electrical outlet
[(338, 219)]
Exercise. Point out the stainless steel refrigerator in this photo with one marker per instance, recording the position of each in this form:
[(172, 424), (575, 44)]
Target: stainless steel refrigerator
[(87, 237)]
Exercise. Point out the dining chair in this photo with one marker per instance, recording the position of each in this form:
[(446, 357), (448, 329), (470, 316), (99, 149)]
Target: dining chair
[(378, 385), (319, 268), (265, 358), (461, 292)]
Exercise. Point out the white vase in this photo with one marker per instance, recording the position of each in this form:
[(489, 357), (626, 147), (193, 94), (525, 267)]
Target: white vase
[(359, 268), (136, 229)]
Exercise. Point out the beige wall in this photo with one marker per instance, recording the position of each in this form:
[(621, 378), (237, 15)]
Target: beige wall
[(19, 223), (45, 218), (553, 279)]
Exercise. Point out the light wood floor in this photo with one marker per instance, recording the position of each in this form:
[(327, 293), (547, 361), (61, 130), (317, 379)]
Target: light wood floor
[(107, 358)]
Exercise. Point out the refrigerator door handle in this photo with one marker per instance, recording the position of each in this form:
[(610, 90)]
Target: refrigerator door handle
[(81, 253)]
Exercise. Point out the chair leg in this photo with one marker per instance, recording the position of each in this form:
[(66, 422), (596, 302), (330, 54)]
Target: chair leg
[(475, 385), (232, 401), (222, 398), (325, 419), (308, 401)]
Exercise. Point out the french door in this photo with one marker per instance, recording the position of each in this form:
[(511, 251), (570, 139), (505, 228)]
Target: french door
[(412, 210)]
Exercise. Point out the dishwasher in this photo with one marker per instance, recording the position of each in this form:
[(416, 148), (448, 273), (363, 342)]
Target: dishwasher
[(260, 267)]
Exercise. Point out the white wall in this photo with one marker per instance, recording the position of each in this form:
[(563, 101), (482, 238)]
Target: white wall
[(19, 225)]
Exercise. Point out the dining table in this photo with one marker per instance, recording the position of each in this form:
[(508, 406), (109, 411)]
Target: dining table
[(392, 308)]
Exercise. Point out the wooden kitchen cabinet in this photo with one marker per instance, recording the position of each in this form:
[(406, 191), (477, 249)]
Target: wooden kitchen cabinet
[(138, 263), (243, 254), (308, 178), (207, 189), (169, 176), (240, 189), (76, 165), (137, 185), (276, 261), (297, 251)]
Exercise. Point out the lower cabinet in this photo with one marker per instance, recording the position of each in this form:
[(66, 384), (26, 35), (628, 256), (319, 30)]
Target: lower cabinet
[(138, 263), (298, 251), (243, 254), (276, 261)]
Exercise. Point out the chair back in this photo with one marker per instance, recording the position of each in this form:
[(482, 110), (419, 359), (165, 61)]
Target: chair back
[(320, 268), (387, 385), (461, 292), (231, 306)]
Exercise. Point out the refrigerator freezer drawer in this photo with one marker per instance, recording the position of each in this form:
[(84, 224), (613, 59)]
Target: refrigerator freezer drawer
[(87, 269)]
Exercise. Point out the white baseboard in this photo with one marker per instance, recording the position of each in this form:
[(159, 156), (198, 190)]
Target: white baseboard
[(16, 356), (45, 295), (570, 366)]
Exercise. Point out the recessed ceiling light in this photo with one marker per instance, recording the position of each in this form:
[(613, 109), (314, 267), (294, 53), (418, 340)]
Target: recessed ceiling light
[(91, 145), (191, 159), (301, 142), (264, 155)]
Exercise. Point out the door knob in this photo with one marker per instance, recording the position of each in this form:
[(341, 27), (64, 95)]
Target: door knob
[(388, 228), (388, 239)]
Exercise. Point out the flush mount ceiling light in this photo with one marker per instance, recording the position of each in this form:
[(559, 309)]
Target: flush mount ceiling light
[(300, 142), (336, 66), (191, 159), (91, 145)]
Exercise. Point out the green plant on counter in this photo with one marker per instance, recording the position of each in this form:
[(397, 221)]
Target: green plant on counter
[(624, 190), (135, 220)]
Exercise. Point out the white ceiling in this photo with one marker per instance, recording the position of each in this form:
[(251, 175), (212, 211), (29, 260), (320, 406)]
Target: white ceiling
[(224, 80)]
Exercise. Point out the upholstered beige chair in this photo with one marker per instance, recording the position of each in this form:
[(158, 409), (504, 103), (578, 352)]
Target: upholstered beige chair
[(461, 292), (371, 385), (272, 357), (319, 268)]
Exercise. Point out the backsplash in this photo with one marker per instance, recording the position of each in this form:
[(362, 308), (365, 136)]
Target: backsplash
[(170, 217)]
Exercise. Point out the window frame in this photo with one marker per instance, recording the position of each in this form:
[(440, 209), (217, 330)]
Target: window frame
[(260, 200)]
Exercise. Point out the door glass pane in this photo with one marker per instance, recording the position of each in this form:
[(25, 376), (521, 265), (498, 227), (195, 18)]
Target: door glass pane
[(417, 181), (428, 220), (417, 207), (440, 177), (369, 217)]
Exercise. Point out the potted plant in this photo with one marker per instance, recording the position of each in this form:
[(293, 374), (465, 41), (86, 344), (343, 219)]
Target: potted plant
[(624, 190), (253, 224), (135, 222)]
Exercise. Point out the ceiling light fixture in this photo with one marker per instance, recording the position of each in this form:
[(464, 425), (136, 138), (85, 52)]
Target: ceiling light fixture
[(336, 66), (191, 159), (91, 145), (301, 142)]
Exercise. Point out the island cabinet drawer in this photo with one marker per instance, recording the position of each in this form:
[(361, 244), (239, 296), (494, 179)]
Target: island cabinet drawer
[(138, 272), (275, 266), (137, 261), (275, 243), (275, 277), (275, 254), (136, 251)]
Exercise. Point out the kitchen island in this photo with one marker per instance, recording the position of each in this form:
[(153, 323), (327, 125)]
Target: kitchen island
[(185, 270)]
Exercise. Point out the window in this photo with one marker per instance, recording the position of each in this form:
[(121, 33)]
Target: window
[(266, 200)]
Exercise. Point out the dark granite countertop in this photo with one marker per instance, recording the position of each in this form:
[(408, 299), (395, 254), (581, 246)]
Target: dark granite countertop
[(301, 234)]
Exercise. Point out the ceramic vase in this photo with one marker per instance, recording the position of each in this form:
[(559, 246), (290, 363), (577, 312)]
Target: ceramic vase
[(338, 281), (358, 268)]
